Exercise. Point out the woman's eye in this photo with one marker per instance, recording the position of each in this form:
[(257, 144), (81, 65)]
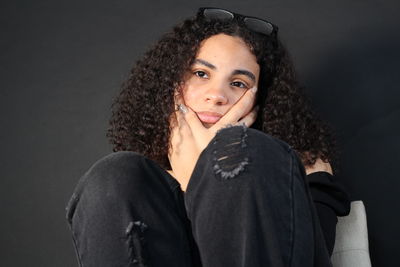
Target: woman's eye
[(201, 74), (239, 84)]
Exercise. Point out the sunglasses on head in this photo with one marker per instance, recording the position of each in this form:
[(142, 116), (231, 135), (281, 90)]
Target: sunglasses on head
[(252, 23)]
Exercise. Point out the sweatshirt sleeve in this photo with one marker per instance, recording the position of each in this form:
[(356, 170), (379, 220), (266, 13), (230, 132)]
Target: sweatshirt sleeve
[(331, 200)]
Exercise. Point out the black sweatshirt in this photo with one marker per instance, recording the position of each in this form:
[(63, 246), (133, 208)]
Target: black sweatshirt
[(331, 200)]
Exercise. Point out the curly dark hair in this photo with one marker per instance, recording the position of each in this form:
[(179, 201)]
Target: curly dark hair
[(141, 111)]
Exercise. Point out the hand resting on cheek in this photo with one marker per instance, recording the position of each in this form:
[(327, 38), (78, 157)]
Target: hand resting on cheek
[(189, 137)]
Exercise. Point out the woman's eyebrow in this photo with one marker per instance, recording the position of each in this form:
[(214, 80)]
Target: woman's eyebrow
[(245, 72), (205, 63), (235, 72)]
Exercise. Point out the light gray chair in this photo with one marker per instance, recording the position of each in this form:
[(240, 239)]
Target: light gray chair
[(351, 244)]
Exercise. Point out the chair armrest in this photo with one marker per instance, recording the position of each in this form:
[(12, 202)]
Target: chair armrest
[(351, 243)]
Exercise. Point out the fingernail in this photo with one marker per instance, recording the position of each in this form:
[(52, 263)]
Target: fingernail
[(254, 89), (183, 108)]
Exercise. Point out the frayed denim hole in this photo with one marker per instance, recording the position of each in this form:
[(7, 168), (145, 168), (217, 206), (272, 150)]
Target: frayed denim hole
[(230, 153), (136, 243)]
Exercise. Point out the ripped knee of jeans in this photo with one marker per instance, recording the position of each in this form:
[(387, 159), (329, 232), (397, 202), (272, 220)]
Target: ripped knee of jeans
[(230, 151), (136, 243)]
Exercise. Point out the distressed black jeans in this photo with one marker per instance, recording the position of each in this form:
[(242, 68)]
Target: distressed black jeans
[(247, 204)]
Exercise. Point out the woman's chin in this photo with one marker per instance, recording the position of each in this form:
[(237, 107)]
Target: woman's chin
[(207, 125)]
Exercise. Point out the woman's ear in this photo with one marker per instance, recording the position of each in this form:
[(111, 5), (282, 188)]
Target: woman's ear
[(181, 86), (178, 92), (178, 87)]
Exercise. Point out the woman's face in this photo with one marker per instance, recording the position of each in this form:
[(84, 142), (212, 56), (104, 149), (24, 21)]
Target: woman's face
[(223, 70)]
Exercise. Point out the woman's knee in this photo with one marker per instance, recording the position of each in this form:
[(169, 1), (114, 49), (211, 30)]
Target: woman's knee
[(236, 148), (113, 179)]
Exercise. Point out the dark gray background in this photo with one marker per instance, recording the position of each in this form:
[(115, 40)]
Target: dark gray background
[(63, 61)]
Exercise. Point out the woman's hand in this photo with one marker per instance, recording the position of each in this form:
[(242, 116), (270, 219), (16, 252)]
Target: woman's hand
[(189, 137)]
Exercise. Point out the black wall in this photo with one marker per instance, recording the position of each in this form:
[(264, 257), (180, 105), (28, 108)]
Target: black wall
[(63, 61)]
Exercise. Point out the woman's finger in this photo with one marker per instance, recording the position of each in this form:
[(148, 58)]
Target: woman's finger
[(242, 107), (179, 132), (250, 118), (189, 124), (180, 109), (183, 125), (191, 119)]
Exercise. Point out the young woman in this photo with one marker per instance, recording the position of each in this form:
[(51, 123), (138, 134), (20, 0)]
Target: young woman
[(216, 149)]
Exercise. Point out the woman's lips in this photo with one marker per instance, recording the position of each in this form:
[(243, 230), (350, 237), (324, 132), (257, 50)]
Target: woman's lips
[(209, 117)]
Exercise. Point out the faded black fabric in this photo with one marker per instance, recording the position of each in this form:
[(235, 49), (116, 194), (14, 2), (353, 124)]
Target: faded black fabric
[(119, 190), (331, 200), (127, 211)]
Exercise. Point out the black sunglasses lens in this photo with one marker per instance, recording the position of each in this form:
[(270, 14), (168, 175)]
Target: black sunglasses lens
[(258, 25), (220, 14)]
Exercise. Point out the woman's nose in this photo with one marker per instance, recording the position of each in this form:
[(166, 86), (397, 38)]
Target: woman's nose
[(216, 95)]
